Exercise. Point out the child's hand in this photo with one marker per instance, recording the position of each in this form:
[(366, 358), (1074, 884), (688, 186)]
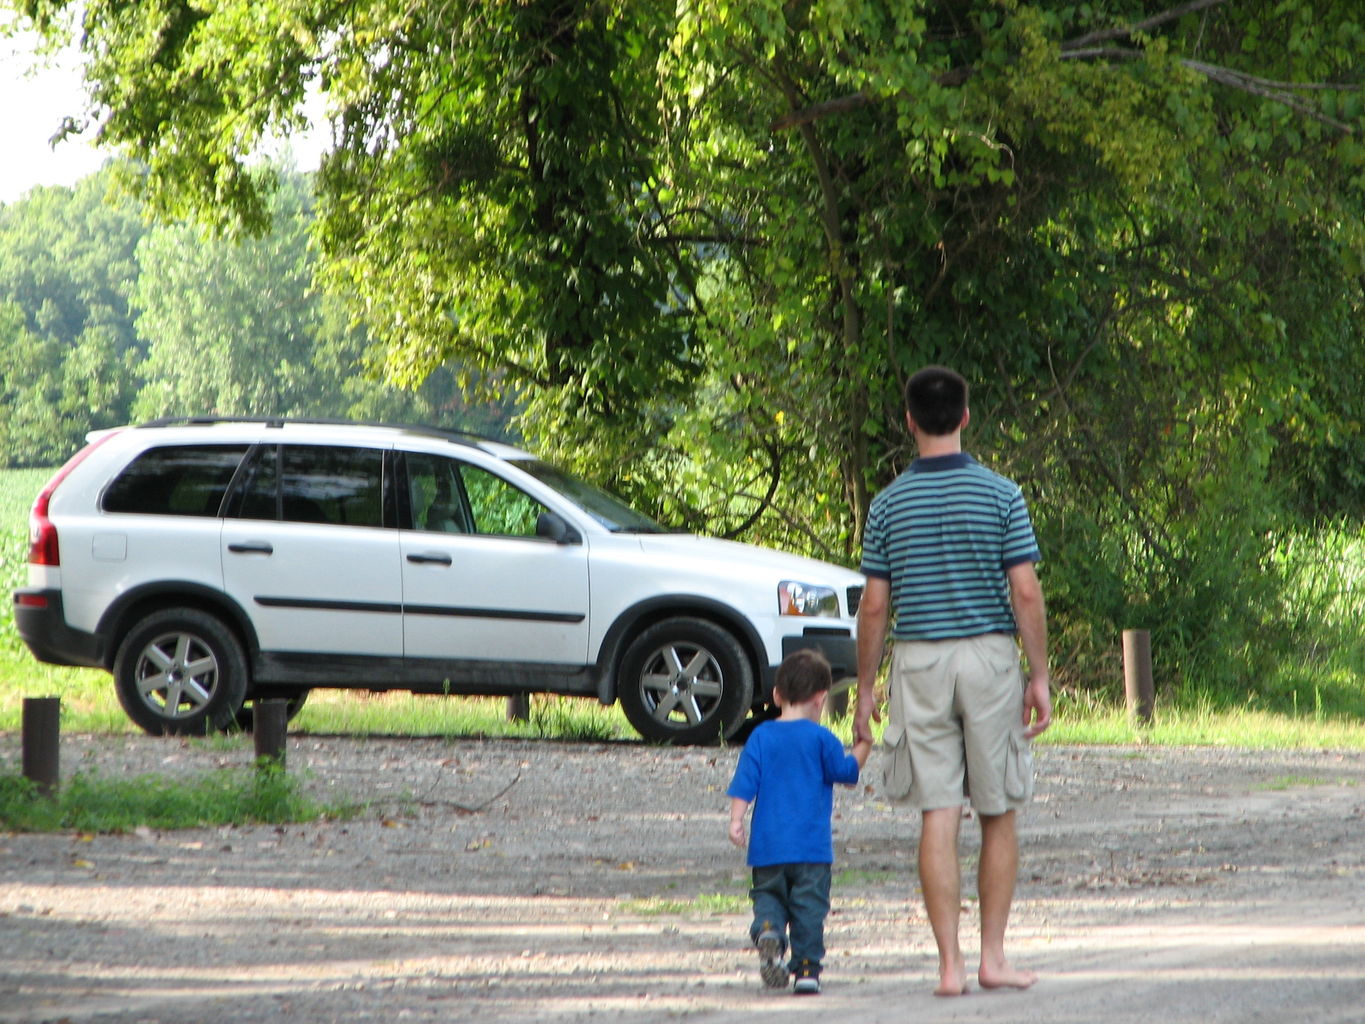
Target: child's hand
[(861, 751), (738, 809), (737, 835)]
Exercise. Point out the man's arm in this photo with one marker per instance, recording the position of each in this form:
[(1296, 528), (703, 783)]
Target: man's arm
[(873, 615), (1030, 614)]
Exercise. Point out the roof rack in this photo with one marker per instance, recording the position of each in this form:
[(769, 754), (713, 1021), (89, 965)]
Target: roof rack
[(274, 422)]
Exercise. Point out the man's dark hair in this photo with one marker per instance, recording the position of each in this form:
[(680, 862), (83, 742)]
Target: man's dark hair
[(802, 675), (936, 398)]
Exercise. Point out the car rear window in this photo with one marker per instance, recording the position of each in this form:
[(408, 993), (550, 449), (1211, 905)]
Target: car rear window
[(176, 480)]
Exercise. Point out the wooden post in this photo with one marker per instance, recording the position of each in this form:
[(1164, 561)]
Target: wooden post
[(270, 721), (519, 707), (41, 729), (1137, 673)]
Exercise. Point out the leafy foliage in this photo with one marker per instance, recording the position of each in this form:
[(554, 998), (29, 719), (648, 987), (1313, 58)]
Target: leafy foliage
[(68, 351), (106, 319), (705, 246)]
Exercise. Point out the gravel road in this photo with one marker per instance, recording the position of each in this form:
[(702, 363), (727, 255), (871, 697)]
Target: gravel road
[(508, 880)]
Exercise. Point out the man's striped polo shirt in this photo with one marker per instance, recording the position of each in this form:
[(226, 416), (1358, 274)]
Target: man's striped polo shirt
[(943, 533)]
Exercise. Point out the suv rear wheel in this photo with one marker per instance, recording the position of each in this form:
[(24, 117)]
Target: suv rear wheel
[(181, 671), (685, 680)]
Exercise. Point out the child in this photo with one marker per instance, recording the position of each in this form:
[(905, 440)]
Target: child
[(788, 769)]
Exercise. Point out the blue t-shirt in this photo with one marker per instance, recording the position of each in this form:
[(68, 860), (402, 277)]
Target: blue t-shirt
[(787, 770)]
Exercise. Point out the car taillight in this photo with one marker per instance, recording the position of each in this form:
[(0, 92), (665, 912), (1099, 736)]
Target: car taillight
[(42, 534)]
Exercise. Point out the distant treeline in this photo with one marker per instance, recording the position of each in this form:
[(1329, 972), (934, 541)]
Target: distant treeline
[(106, 319)]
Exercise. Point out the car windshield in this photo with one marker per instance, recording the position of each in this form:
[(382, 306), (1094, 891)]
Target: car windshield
[(610, 511)]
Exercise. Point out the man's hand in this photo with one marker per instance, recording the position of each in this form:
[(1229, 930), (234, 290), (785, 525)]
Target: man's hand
[(873, 618), (1037, 705), (1030, 612), (862, 749), (867, 712)]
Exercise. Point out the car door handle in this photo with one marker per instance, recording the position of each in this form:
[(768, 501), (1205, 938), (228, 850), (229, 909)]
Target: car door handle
[(255, 547), (436, 559)]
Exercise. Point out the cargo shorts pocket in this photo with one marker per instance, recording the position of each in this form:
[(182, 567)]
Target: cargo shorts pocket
[(898, 774), (1019, 770)]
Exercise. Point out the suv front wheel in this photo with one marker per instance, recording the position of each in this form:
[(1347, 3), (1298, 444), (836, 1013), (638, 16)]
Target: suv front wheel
[(181, 671), (685, 681)]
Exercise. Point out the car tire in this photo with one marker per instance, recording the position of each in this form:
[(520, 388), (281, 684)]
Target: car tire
[(246, 714), (181, 672), (685, 681)]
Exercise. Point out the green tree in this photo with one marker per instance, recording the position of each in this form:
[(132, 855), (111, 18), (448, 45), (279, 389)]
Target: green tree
[(234, 326), (30, 368), (66, 266), (706, 244), (229, 324)]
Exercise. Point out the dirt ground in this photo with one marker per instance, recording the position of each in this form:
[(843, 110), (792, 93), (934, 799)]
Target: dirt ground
[(504, 881)]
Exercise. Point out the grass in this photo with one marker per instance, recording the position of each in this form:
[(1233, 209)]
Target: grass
[(1082, 721), (705, 905), (265, 795), (89, 706), (1286, 782), (403, 714), (720, 904)]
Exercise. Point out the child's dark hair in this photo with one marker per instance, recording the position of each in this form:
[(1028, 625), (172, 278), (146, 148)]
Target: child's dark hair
[(802, 675)]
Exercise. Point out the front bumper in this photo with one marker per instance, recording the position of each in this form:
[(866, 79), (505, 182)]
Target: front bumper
[(839, 647)]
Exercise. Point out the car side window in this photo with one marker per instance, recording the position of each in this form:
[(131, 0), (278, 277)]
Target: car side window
[(258, 497), (499, 508), (434, 495), (316, 484), (175, 480)]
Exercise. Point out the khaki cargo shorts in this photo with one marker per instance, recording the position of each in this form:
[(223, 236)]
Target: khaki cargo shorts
[(955, 725)]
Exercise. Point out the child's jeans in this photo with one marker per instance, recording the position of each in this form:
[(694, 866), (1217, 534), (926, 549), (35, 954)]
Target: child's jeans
[(793, 899)]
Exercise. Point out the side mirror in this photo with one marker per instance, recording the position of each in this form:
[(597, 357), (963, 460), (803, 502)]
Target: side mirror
[(552, 526)]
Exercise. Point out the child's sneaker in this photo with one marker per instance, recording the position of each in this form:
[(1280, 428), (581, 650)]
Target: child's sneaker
[(807, 980), (770, 966)]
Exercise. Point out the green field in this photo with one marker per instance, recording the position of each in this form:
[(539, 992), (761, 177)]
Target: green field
[(1319, 702)]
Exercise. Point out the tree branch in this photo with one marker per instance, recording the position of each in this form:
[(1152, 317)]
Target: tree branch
[(1085, 48), (843, 104), (1125, 32), (839, 105), (1266, 89)]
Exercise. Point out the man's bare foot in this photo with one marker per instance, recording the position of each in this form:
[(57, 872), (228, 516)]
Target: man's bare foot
[(1003, 975), (952, 981)]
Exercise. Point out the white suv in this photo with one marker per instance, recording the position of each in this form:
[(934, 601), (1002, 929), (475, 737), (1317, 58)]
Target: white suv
[(207, 563)]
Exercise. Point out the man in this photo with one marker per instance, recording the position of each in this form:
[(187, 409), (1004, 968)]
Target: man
[(949, 549)]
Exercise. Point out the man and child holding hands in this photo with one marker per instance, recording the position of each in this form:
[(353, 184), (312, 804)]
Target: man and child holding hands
[(949, 554)]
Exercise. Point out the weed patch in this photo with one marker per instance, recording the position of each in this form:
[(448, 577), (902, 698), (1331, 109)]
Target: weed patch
[(87, 803)]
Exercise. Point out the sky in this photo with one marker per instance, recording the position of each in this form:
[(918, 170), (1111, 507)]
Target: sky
[(31, 110), (35, 94)]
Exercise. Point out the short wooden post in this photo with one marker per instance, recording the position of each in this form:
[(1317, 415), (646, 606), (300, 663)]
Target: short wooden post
[(519, 707), (270, 721), (41, 731), (1137, 673)]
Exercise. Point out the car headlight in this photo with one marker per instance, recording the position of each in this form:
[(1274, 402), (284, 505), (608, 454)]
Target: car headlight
[(795, 598)]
